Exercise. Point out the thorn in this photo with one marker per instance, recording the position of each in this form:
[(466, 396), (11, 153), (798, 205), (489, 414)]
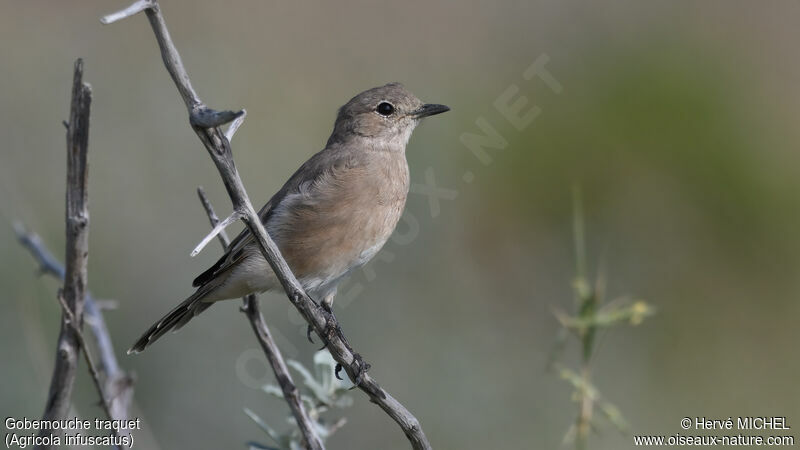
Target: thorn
[(131, 10), (210, 118), (217, 229), (235, 125)]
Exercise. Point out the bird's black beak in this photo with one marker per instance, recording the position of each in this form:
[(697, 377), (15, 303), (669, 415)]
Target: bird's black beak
[(430, 109)]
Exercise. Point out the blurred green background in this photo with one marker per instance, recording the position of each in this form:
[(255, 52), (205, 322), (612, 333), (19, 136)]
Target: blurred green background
[(677, 118)]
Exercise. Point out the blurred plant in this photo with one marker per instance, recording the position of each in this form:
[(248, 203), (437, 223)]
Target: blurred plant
[(592, 313), (321, 392)]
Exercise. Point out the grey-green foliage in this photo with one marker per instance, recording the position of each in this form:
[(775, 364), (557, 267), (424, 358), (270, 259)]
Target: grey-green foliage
[(320, 392), (592, 314)]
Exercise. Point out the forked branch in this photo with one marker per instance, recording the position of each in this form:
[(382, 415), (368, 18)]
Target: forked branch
[(264, 336), (72, 295)]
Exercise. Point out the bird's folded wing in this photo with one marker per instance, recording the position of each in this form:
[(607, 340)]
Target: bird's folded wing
[(323, 162)]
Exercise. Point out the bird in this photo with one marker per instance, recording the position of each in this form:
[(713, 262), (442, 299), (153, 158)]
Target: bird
[(332, 215)]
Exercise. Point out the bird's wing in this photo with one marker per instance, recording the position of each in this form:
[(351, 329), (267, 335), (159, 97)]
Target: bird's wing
[(312, 170)]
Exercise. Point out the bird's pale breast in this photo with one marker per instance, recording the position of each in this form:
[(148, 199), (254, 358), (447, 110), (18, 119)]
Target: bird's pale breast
[(342, 219)]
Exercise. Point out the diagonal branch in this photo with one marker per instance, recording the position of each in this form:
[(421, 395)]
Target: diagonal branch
[(271, 350), (323, 323)]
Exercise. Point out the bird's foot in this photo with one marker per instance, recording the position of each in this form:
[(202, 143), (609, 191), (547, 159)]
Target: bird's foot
[(326, 306), (309, 330), (332, 327), (359, 367)]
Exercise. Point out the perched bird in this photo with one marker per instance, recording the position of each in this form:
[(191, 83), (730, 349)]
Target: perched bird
[(332, 216)]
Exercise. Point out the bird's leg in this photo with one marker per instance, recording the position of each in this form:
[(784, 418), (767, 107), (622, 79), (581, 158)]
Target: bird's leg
[(327, 304), (359, 367), (330, 320)]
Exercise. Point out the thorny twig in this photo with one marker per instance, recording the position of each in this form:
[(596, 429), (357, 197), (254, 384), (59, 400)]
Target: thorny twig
[(261, 330)]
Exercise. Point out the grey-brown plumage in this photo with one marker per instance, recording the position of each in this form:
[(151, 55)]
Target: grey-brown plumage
[(333, 215)]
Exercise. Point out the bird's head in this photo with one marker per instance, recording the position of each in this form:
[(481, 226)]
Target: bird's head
[(385, 116)]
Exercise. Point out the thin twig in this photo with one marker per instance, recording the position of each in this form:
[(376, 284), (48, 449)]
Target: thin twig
[(48, 264), (323, 323), (587, 304), (77, 251), (212, 217), (588, 300), (261, 330), (72, 321)]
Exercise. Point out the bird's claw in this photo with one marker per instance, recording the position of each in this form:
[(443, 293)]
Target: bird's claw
[(330, 328), (359, 368), (336, 372)]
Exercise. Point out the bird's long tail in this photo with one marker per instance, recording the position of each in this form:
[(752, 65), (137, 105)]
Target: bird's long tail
[(174, 320)]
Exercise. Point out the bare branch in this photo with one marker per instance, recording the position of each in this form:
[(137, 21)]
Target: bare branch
[(172, 60), (72, 321), (323, 323), (118, 384), (116, 392), (77, 250), (48, 264), (271, 350)]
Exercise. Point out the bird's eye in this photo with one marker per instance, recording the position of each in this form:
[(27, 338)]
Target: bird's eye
[(385, 109)]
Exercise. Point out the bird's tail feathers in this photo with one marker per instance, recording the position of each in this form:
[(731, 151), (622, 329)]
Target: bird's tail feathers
[(174, 319)]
